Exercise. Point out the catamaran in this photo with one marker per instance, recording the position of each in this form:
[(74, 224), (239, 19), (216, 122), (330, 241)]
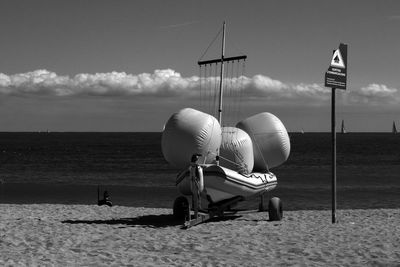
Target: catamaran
[(223, 165)]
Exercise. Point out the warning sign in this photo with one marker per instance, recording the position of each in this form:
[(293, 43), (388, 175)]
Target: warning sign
[(337, 60), (336, 76)]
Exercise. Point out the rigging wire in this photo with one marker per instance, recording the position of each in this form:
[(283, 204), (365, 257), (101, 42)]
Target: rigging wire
[(228, 96), (212, 42), (210, 90), (234, 81), (200, 89), (233, 86), (216, 82), (235, 89), (229, 103), (205, 88), (232, 94), (225, 103), (238, 90), (241, 86)]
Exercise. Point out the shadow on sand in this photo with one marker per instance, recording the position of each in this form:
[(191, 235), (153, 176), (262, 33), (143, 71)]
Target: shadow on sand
[(154, 221)]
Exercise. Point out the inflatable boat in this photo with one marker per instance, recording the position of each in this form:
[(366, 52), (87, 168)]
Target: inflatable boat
[(221, 183), (222, 164), (232, 163)]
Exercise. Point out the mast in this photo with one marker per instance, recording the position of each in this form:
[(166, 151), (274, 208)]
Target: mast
[(221, 61), (221, 81)]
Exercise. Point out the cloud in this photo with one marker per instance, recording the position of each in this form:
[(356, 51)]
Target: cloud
[(43, 82), (169, 83), (266, 87), (376, 94), (377, 90), (394, 17)]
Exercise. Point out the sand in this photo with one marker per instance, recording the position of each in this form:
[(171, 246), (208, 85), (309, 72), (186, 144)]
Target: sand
[(88, 235)]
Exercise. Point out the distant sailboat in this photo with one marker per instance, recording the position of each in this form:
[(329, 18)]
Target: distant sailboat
[(343, 131), (394, 130)]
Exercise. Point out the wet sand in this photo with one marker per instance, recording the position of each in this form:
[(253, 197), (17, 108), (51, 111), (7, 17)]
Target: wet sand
[(305, 197), (70, 235)]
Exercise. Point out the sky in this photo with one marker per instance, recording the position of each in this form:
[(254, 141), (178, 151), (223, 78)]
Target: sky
[(96, 65)]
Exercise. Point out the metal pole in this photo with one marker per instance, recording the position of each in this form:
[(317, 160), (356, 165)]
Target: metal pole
[(221, 81), (333, 120)]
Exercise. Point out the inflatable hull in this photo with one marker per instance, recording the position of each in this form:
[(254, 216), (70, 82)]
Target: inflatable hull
[(236, 151), (222, 183), (270, 140), (190, 132)]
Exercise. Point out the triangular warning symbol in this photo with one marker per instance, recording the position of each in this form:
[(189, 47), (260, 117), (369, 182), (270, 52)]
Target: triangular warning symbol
[(337, 60)]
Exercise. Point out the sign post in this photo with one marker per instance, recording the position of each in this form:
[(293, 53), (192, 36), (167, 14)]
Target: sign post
[(336, 78)]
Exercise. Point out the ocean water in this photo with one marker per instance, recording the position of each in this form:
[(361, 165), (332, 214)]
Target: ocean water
[(69, 167)]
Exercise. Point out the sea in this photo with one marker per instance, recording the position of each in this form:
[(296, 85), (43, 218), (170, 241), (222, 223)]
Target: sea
[(75, 167)]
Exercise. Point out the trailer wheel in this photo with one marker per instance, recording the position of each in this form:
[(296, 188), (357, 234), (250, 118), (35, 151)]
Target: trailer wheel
[(181, 208), (275, 210)]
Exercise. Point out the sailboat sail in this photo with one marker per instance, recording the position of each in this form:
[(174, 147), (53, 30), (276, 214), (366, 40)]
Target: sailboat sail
[(394, 130), (343, 131)]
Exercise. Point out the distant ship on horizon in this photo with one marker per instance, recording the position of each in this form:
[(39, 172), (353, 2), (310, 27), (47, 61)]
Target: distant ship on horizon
[(47, 131), (394, 129)]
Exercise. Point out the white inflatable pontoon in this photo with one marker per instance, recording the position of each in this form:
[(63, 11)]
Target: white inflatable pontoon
[(222, 183)]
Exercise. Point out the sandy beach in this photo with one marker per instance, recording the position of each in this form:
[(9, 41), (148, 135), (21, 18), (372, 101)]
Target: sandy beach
[(88, 235)]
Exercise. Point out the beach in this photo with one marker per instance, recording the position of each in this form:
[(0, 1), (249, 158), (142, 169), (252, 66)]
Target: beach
[(89, 235), (141, 105), (48, 214)]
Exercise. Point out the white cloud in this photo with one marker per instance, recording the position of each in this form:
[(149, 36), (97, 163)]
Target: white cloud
[(263, 86), (394, 17), (167, 83), (43, 82), (376, 94), (378, 90)]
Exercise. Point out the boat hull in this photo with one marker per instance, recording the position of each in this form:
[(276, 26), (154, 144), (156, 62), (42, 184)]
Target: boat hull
[(222, 183)]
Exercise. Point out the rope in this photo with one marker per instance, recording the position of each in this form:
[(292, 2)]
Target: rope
[(216, 82), (238, 164), (208, 143), (201, 91), (212, 42), (226, 93), (237, 91), (232, 95), (209, 89), (227, 87), (258, 147), (241, 89)]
